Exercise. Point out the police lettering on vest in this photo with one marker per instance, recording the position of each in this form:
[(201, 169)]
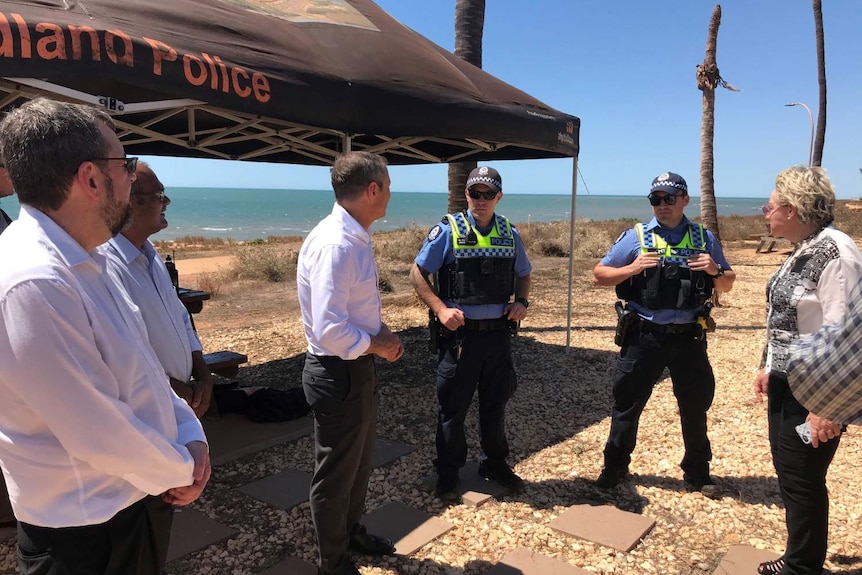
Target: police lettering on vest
[(484, 267), (671, 284)]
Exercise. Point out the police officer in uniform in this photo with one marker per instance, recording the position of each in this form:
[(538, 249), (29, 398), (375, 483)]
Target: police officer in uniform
[(665, 270), (479, 264)]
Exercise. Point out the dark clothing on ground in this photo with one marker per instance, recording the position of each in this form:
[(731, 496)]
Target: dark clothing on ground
[(344, 398), (132, 542), (801, 473), (642, 360), (265, 405), (485, 364)]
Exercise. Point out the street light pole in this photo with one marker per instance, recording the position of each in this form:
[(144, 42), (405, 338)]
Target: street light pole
[(811, 141)]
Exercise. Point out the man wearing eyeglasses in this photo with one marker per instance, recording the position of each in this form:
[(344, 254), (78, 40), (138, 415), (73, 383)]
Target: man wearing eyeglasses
[(136, 264), (665, 271), (93, 445), (479, 263)]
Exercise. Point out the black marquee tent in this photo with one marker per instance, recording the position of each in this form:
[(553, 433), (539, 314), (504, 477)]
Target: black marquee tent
[(271, 80), (287, 81)]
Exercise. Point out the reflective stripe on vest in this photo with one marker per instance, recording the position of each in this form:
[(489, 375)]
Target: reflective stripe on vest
[(692, 243), (499, 243)]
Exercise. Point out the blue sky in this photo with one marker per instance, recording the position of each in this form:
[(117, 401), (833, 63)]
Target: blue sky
[(627, 69)]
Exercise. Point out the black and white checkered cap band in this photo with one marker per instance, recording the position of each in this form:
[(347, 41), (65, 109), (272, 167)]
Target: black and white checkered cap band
[(664, 183), (487, 180)]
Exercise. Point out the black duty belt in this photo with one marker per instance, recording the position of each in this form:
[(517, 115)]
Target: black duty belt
[(486, 324), (669, 328)]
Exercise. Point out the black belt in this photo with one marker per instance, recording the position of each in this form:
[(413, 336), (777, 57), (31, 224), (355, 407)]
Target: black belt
[(669, 328), (486, 324)]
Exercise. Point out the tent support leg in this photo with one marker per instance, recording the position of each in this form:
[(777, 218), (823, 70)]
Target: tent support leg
[(571, 249)]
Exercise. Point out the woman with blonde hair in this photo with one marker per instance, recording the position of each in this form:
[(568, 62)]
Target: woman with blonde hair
[(810, 289)]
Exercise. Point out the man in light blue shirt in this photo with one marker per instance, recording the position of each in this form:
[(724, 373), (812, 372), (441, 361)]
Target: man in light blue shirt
[(666, 271), (480, 264), (138, 267)]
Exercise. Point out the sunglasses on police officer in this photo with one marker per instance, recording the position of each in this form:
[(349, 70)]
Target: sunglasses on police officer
[(476, 194), (655, 199)]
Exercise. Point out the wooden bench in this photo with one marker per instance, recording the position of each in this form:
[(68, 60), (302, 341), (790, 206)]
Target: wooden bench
[(225, 363), (767, 244)]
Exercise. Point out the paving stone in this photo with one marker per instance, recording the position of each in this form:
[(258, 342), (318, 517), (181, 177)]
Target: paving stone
[(192, 530), (409, 528), (605, 525), (234, 435), (474, 489), (387, 451), (291, 566), (743, 560), (287, 488), (522, 561)]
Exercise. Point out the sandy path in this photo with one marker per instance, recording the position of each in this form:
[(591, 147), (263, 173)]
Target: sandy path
[(192, 266)]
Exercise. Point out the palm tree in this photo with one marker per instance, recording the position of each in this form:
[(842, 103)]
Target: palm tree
[(469, 25), (708, 78), (820, 135)]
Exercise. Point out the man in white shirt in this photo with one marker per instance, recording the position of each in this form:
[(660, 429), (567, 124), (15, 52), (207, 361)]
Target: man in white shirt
[(336, 279), (93, 444), (137, 266)]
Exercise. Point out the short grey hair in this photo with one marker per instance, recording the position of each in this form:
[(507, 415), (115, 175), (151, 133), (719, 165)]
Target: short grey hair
[(354, 171), (43, 142), (809, 190), (139, 183)]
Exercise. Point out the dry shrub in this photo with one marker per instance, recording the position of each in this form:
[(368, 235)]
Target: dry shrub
[(264, 262), (848, 217), (398, 246), (284, 240), (592, 239), (211, 281), (198, 242)]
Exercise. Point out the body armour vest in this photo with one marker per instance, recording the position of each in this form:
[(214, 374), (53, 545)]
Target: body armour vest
[(671, 284), (484, 267)]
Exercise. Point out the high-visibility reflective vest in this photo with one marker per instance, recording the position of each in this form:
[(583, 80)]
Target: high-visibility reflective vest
[(671, 284), (484, 267)]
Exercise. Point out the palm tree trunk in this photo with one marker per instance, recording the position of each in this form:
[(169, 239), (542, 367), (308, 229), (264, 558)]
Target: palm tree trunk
[(820, 133), (707, 80), (469, 26)]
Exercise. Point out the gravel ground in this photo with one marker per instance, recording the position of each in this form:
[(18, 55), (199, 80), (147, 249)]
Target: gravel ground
[(557, 424)]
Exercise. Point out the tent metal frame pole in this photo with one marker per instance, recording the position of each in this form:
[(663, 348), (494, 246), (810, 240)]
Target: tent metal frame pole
[(571, 249)]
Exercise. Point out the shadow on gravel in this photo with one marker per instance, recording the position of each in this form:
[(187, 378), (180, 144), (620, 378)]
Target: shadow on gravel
[(848, 561), (559, 393), (556, 493)]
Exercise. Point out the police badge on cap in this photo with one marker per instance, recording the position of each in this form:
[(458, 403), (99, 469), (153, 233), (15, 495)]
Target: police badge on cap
[(669, 182), (485, 175)]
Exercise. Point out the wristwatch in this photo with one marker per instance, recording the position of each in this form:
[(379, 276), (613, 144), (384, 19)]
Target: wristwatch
[(523, 301), (719, 273)]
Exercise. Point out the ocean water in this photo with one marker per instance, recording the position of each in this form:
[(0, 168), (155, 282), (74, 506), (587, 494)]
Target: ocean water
[(245, 214)]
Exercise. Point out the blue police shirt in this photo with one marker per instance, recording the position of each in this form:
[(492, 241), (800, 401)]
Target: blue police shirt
[(437, 252), (628, 247)]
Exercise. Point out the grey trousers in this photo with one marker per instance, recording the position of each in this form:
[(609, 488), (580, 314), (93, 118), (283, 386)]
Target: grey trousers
[(343, 396)]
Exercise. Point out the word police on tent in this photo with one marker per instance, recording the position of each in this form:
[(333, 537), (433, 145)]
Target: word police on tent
[(48, 41)]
